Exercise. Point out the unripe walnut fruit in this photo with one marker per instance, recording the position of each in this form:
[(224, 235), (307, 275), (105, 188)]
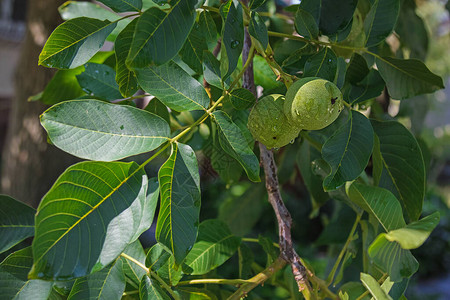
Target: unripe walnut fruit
[(268, 123), (313, 103)]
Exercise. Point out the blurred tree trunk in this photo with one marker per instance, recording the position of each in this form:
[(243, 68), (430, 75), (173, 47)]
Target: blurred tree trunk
[(29, 164)]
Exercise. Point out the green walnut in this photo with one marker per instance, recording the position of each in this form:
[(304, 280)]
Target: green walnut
[(313, 103), (268, 123)]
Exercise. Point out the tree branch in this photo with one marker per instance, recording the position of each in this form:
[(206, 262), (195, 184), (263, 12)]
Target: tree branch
[(287, 252)]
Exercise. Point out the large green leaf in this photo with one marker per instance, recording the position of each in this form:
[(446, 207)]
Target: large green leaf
[(74, 42), (374, 287), (150, 289), (233, 37), (179, 182), (107, 284), (414, 234), (192, 51), (234, 143), (403, 167), (157, 256), (215, 245), (125, 78), (305, 24), (206, 23), (159, 35), (348, 150), (391, 258), (123, 5), (357, 69), (97, 130), (406, 78), (173, 87), (323, 64), (93, 207), (313, 7), (380, 21), (16, 222), (98, 80), (14, 283), (379, 202), (211, 70)]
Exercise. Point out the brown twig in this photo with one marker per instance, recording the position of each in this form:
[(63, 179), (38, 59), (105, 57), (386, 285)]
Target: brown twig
[(287, 252)]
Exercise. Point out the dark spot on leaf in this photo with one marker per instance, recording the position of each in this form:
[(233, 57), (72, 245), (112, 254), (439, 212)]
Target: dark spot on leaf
[(274, 137), (333, 100)]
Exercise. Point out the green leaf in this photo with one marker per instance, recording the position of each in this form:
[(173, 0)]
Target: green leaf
[(215, 245), (370, 87), (380, 21), (156, 107), (170, 271), (123, 5), (75, 9), (313, 7), (357, 69), (242, 212), (348, 151), (108, 283), (157, 256), (16, 222), (403, 167), (206, 23), (98, 80), (305, 24), (196, 293), (160, 35), (150, 289), (414, 234), (63, 86), (173, 87), (232, 37), (242, 98), (336, 15), (246, 258), (74, 42), (125, 78), (93, 207), (265, 76), (192, 51), (323, 64), (306, 155), (406, 78), (211, 70), (269, 248), (14, 283), (227, 167), (234, 143), (257, 29), (391, 258), (132, 271), (373, 287), (379, 202), (97, 130), (256, 3), (180, 201)]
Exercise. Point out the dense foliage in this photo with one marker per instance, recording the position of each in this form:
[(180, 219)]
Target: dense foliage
[(200, 63)]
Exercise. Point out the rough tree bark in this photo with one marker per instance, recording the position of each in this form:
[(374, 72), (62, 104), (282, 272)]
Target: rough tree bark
[(29, 164)]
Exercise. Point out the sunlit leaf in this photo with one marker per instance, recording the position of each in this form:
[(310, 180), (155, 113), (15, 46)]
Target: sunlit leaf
[(373, 287), (173, 87), (101, 131), (74, 42), (95, 208)]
